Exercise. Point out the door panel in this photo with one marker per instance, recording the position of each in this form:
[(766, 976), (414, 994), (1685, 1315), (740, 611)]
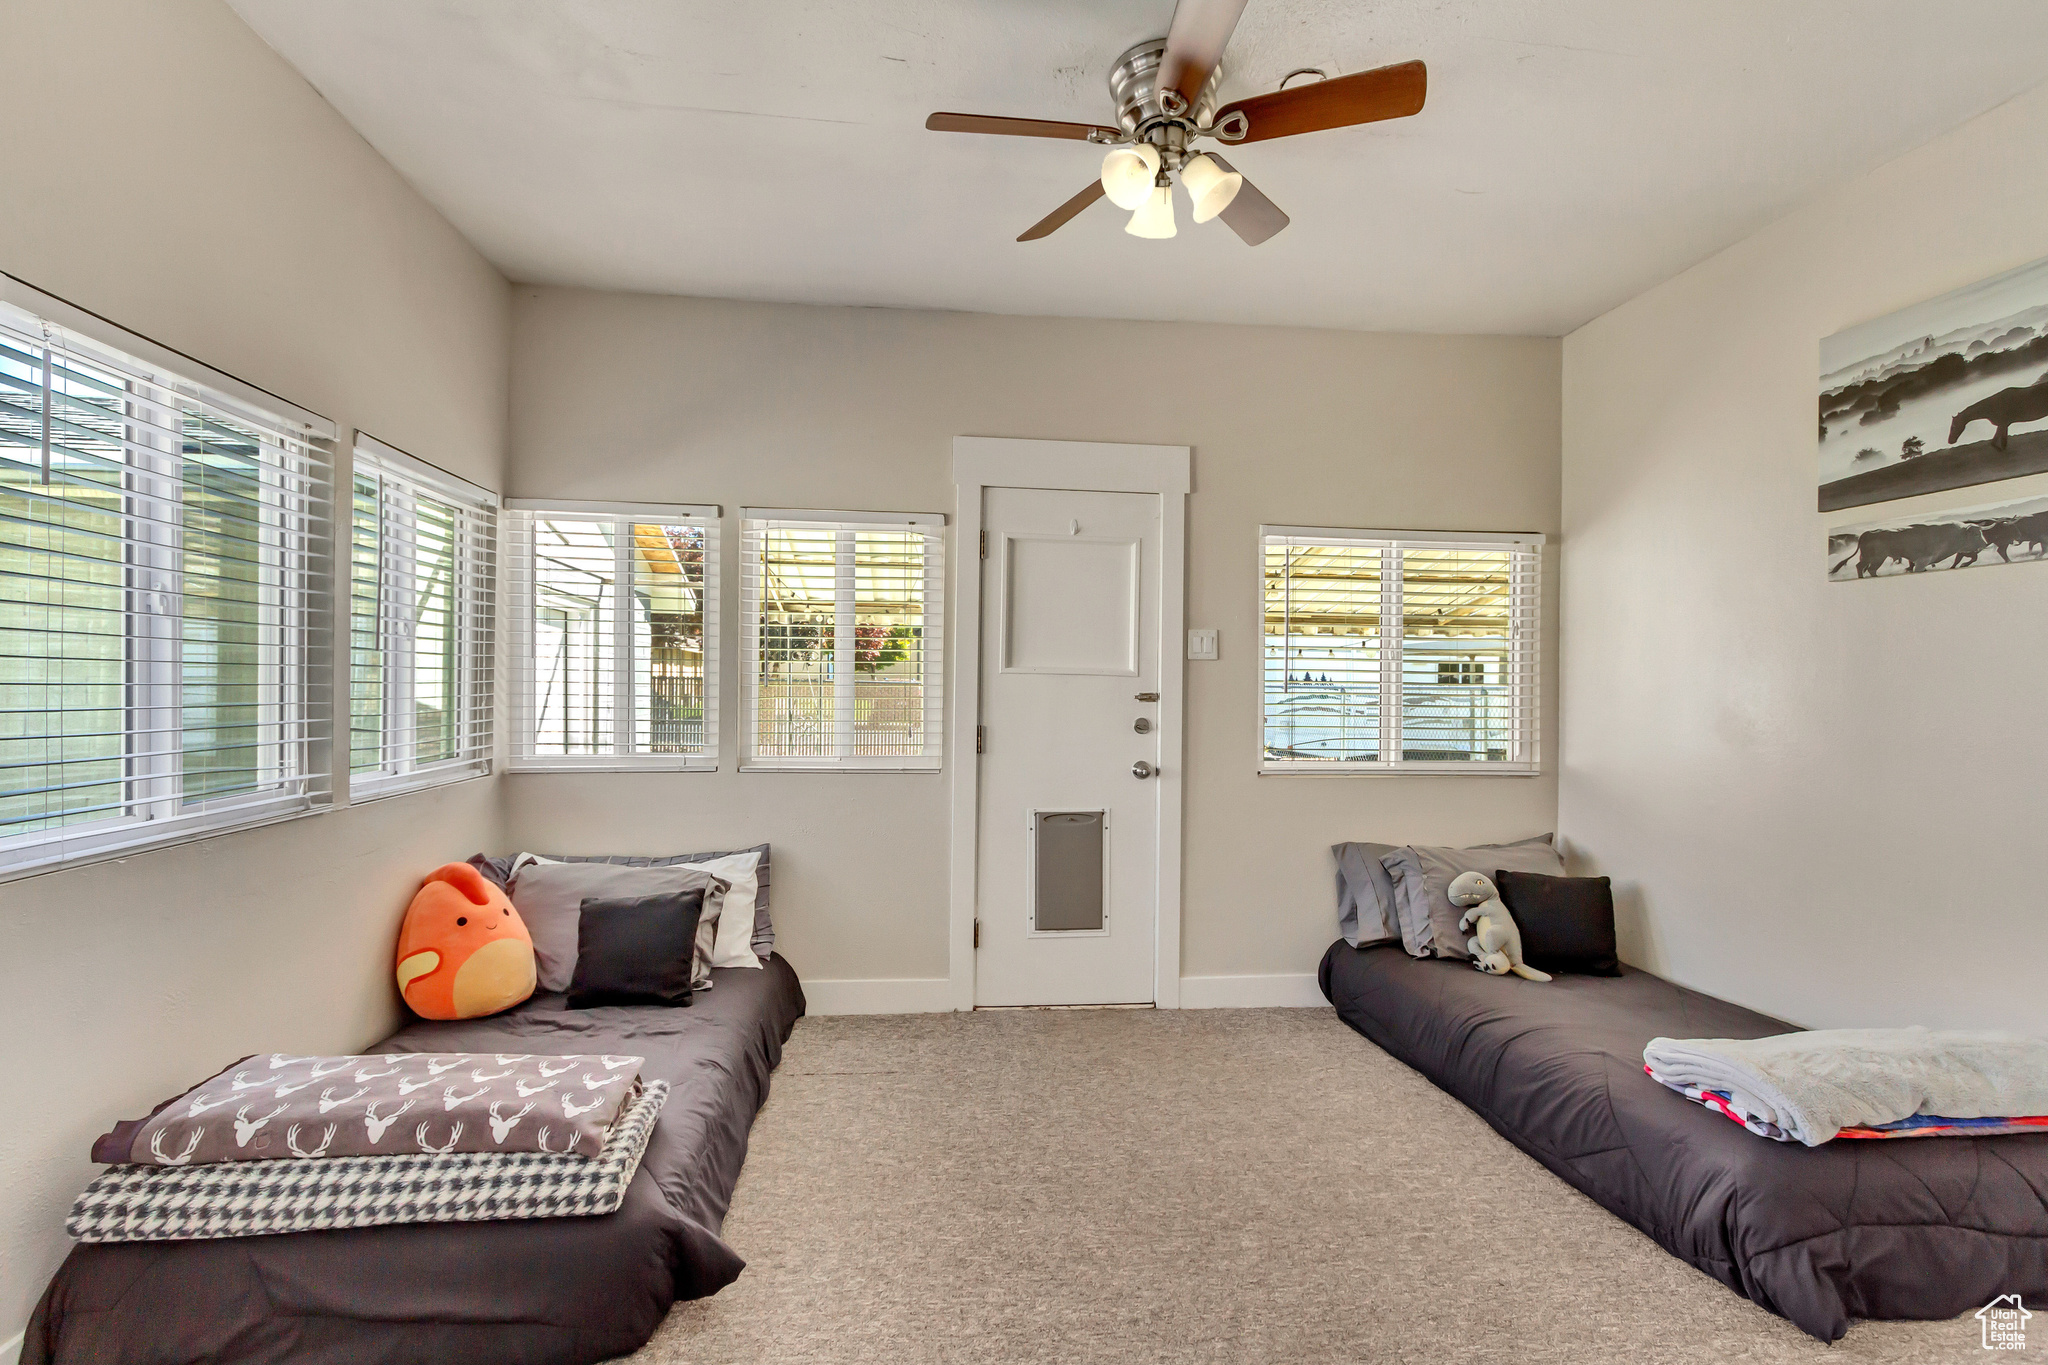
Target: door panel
[(1042, 580), (1067, 879)]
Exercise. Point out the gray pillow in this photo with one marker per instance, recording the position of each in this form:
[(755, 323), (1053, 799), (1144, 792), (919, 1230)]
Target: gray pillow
[(1366, 910), (499, 870), (550, 896), (1422, 876)]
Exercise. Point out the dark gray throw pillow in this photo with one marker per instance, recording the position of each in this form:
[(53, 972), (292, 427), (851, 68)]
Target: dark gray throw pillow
[(635, 952), (550, 896), (1567, 923)]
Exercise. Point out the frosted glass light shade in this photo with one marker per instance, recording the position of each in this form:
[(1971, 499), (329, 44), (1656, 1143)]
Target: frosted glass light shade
[(1154, 217), (1209, 185), (1128, 172)]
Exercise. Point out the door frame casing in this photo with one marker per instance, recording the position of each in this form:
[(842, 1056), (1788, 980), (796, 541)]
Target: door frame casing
[(984, 462)]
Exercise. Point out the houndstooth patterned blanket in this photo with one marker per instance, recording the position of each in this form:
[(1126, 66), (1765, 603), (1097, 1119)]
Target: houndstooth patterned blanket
[(252, 1198)]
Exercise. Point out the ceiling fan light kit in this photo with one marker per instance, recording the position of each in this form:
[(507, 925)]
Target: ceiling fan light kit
[(1165, 92), (1209, 185), (1128, 173), (1154, 217)]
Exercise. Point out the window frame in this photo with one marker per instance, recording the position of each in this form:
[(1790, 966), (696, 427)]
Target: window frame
[(521, 589), (933, 671), (473, 603), (1525, 604), (294, 503)]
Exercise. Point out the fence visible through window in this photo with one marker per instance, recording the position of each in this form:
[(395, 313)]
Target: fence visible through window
[(619, 614), (843, 648), (823, 590), (1382, 652)]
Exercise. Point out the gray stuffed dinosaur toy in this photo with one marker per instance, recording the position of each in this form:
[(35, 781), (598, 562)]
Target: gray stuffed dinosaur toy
[(1496, 945)]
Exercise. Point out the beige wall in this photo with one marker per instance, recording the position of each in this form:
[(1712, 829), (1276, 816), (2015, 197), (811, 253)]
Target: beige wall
[(164, 168), (1821, 799), (688, 400)]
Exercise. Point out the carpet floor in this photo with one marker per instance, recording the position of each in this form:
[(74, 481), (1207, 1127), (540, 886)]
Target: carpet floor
[(1182, 1185)]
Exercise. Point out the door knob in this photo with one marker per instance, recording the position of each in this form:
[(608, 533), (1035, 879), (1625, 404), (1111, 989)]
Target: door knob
[(1141, 769)]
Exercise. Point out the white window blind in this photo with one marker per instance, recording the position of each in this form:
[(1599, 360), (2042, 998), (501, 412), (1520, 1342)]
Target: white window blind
[(165, 655), (615, 635), (1399, 651), (842, 629), (422, 610)]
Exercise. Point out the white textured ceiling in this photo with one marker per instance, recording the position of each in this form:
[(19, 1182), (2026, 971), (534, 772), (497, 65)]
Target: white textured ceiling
[(1573, 152)]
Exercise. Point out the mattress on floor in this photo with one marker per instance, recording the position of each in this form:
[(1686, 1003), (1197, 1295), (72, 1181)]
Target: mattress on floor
[(557, 1290), (1930, 1228)]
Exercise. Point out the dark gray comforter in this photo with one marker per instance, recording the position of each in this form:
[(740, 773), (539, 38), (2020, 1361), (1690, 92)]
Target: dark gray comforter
[(554, 1291), (1900, 1228)]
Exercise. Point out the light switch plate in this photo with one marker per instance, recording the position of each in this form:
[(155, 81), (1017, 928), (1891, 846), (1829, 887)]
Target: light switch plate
[(1201, 644)]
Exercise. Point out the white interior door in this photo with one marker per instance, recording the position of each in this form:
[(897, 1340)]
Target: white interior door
[(1067, 882)]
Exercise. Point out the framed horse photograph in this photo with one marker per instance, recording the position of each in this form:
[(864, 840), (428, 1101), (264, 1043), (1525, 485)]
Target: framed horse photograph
[(1944, 394)]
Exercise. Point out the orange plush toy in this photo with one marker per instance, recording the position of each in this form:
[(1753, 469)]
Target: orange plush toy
[(462, 951)]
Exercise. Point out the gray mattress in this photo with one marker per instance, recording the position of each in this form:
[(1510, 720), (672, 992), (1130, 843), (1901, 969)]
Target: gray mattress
[(1898, 1228), (560, 1291)]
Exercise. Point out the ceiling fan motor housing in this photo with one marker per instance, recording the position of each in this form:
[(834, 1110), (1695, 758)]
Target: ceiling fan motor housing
[(1144, 114)]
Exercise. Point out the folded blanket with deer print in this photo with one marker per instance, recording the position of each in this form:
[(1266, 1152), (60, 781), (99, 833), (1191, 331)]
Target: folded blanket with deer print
[(260, 1198), (280, 1107)]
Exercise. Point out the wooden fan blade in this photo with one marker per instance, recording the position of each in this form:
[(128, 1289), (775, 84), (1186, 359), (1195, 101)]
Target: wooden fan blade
[(1057, 219), (1251, 215), (1015, 127), (1194, 44), (1366, 97)]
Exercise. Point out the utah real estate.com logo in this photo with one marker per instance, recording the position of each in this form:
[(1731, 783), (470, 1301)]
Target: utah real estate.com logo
[(2005, 1323)]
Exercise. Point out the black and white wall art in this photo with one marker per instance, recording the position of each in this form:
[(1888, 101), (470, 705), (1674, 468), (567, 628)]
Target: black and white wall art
[(1944, 394), (2002, 533)]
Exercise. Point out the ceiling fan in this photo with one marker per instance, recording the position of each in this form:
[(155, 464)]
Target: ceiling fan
[(1165, 92)]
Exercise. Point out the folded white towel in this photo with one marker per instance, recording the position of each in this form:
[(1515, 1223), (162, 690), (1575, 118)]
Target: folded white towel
[(1815, 1084)]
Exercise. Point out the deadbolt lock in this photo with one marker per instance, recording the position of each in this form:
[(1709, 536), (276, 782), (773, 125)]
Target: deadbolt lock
[(1142, 726)]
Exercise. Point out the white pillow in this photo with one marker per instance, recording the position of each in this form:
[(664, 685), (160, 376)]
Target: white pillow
[(525, 860), (734, 946)]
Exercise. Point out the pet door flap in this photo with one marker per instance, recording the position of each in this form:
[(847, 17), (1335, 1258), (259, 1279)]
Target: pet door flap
[(1066, 882)]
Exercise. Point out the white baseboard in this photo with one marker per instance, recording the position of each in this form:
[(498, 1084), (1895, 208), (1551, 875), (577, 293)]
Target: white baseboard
[(10, 1349), (1287, 990), (910, 995), (934, 995)]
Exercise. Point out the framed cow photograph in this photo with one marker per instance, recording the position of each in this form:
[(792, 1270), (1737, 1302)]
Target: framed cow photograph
[(2002, 533), (1945, 394)]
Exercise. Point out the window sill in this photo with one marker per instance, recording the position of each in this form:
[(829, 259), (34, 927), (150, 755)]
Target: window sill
[(1417, 769), (611, 765), (799, 765), (110, 846), (364, 790)]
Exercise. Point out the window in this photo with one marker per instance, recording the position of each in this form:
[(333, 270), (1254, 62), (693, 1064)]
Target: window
[(615, 620), (1399, 651), (422, 594), (160, 579), (841, 628)]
